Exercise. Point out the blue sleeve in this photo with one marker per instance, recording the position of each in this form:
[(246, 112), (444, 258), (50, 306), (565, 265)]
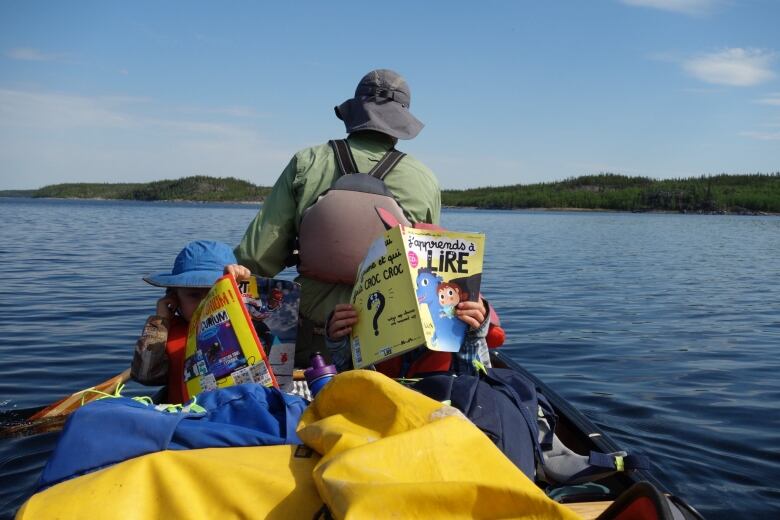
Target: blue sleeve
[(474, 342), (338, 349)]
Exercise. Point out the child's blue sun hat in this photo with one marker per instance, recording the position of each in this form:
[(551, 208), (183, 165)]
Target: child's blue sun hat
[(199, 265)]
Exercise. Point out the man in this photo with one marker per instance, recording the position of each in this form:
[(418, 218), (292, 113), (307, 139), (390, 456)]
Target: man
[(375, 118)]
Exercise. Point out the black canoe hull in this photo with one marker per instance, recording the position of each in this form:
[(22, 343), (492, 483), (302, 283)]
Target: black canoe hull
[(581, 435)]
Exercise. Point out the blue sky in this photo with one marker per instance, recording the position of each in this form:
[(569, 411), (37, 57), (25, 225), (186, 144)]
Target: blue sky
[(510, 92)]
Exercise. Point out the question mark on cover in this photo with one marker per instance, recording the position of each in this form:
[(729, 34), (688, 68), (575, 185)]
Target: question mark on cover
[(380, 299)]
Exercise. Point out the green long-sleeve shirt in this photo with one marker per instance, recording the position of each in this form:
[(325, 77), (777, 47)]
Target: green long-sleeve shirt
[(271, 236)]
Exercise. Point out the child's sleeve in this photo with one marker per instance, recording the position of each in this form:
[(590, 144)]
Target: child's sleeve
[(150, 361), (338, 349), (474, 347)]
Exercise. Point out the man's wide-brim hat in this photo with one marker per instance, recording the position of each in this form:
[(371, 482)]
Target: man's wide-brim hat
[(198, 265), (381, 103)]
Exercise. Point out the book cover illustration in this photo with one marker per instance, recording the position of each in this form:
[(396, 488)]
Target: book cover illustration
[(223, 348), (273, 308), (407, 289)]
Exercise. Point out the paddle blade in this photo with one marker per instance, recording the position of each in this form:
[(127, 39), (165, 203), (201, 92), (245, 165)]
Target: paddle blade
[(74, 401)]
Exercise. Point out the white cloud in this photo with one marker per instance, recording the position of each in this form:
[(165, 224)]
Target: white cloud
[(48, 137), (48, 111), (28, 54), (736, 67), (677, 6), (770, 99), (231, 111), (762, 136)]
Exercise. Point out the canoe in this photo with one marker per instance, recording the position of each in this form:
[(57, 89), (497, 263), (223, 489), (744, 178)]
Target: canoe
[(581, 435)]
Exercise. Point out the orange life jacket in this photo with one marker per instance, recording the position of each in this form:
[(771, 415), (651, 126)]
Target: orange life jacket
[(174, 347), (428, 362)]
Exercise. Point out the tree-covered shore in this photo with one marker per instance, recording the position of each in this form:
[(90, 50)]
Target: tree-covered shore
[(724, 193), (754, 193), (197, 188)]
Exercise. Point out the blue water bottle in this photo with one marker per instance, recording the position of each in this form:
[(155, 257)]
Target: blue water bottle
[(318, 374)]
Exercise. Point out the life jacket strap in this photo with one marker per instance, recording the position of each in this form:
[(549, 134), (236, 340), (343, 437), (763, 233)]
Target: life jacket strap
[(386, 163), (347, 165), (344, 158)]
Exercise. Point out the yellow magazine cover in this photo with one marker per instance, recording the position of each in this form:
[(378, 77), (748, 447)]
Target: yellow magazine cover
[(407, 288), (222, 346)]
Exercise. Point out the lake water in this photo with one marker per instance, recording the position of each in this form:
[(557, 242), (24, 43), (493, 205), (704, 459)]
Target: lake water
[(663, 329)]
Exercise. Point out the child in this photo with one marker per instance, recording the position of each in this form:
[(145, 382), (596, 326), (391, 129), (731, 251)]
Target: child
[(159, 353), (475, 314)]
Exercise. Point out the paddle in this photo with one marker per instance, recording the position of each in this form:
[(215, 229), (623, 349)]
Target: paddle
[(52, 417), (69, 404)]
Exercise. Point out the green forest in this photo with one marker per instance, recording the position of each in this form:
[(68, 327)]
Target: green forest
[(606, 191), (196, 188), (755, 193)]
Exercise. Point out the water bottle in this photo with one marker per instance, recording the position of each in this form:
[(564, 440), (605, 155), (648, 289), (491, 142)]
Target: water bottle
[(318, 374)]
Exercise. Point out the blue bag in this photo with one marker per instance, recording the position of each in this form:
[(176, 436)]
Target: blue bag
[(109, 431), (501, 403), (521, 422)]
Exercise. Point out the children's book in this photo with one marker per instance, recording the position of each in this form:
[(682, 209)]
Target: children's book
[(407, 288), (232, 330), (273, 308)]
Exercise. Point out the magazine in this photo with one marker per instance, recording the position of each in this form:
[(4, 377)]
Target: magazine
[(223, 345), (273, 308), (407, 289)]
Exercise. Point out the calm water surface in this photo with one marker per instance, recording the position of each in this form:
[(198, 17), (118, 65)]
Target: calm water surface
[(663, 329)]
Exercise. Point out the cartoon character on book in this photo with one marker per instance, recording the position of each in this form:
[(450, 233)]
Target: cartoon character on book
[(450, 295), (448, 332)]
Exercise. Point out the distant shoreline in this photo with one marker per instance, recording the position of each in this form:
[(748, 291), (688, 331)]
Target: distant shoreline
[(551, 210), (106, 199), (606, 210), (724, 194)]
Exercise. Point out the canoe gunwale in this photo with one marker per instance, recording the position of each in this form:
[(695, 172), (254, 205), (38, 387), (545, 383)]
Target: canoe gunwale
[(574, 425)]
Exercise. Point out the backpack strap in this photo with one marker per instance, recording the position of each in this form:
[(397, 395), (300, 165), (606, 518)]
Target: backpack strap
[(547, 413), (596, 466), (619, 461), (386, 163), (509, 383), (344, 158), (347, 165)]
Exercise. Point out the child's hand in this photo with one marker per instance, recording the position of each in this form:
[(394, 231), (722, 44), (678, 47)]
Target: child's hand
[(471, 313), (341, 321), (166, 306), (239, 272)]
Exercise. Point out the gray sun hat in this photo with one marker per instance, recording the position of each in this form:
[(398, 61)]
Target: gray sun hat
[(381, 103)]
